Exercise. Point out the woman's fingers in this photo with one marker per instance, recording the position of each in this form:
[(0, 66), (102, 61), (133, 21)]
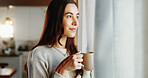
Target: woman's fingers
[(74, 61), (79, 56), (78, 65), (79, 60)]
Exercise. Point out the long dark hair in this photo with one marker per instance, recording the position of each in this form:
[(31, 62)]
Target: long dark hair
[(53, 27)]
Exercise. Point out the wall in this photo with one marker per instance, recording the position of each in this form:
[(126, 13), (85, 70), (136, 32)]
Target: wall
[(28, 25), (28, 22)]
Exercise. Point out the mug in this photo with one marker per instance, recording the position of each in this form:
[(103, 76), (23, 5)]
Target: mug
[(88, 61)]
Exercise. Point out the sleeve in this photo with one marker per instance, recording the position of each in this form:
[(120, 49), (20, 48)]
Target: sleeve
[(86, 74), (38, 67)]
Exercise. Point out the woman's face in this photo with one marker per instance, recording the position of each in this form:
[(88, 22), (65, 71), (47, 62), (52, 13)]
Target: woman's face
[(70, 20)]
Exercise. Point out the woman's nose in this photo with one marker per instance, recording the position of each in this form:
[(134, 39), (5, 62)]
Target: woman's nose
[(75, 22)]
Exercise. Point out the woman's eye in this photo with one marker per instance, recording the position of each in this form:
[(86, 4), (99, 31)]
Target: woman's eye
[(77, 17), (68, 16)]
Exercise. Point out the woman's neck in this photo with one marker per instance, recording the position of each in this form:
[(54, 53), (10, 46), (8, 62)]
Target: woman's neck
[(62, 41)]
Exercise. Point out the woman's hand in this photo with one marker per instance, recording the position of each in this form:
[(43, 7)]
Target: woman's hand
[(72, 62)]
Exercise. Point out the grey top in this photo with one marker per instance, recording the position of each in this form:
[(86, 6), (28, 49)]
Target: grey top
[(43, 61)]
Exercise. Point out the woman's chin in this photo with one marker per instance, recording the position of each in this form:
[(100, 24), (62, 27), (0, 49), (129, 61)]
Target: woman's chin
[(71, 36)]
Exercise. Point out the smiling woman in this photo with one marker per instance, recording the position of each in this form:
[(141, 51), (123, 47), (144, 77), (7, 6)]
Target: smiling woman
[(56, 55), (70, 20)]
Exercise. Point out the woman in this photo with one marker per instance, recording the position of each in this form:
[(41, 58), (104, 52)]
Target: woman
[(56, 55)]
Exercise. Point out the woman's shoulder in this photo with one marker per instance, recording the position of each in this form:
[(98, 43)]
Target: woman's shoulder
[(41, 48), (41, 51)]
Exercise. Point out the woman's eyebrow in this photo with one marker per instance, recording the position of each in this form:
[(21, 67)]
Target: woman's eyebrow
[(71, 13)]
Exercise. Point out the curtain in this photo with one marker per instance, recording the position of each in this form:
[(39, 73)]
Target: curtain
[(104, 39), (124, 38), (115, 36)]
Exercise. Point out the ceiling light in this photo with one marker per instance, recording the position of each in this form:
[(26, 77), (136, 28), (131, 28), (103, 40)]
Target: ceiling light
[(10, 6), (8, 21)]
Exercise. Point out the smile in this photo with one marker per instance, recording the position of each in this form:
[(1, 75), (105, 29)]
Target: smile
[(73, 29)]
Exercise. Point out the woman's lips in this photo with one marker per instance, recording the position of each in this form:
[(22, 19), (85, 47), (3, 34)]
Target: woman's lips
[(73, 29)]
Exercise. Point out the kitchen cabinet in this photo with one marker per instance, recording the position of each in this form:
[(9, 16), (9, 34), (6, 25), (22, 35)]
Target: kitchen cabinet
[(14, 61)]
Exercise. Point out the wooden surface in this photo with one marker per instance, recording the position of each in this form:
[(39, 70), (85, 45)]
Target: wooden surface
[(7, 72)]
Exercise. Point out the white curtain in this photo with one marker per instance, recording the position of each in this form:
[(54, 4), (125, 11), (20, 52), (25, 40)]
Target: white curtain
[(86, 28), (116, 37), (124, 38), (104, 39), (82, 38)]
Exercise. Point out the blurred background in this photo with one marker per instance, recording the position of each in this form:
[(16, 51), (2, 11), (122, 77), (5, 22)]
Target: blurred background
[(116, 30), (21, 24)]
